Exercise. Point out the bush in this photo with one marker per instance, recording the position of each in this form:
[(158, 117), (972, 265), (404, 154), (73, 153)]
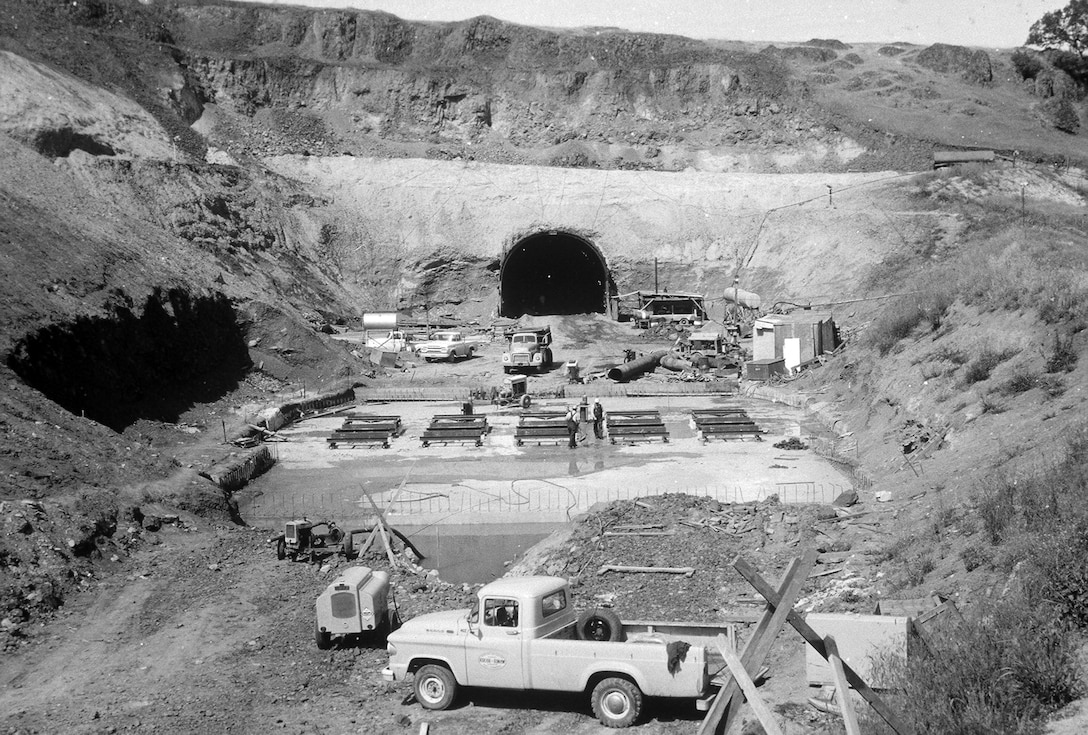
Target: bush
[(996, 505), (1073, 64), (1027, 65), (984, 364), (1062, 115), (1064, 357), (1060, 564), (894, 325), (900, 318), (1002, 673), (974, 556), (1021, 382)]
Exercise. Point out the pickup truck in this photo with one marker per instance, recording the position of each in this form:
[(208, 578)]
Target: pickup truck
[(445, 346), (523, 634), (392, 341)]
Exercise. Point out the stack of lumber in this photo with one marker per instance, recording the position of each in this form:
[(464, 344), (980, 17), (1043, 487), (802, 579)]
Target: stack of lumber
[(541, 426), (635, 426), (365, 429), (725, 423), (446, 428)]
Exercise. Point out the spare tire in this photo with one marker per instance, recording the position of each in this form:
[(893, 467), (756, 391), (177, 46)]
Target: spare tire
[(599, 625)]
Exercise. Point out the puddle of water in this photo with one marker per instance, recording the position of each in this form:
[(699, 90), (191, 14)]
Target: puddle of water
[(475, 553)]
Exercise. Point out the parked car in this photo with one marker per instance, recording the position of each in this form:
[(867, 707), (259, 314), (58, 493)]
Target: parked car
[(445, 346)]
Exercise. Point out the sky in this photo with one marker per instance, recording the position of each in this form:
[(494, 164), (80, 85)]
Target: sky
[(982, 23)]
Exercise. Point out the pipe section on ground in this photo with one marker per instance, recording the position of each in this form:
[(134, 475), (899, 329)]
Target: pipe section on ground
[(674, 363), (628, 370)]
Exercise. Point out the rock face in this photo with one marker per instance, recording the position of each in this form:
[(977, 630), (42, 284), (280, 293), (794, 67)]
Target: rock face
[(972, 66), (483, 81)]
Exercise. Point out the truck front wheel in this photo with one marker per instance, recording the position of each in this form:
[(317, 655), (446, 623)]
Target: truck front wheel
[(435, 687), (617, 702)]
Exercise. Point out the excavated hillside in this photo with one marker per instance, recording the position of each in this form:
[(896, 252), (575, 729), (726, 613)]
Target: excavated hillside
[(191, 193)]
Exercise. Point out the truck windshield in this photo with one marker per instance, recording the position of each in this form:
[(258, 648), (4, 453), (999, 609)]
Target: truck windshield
[(524, 339)]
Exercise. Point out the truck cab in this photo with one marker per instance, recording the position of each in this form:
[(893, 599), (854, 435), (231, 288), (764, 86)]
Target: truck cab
[(528, 349)]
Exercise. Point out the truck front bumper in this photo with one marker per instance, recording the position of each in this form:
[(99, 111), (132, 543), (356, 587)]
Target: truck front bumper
[(395, 673)]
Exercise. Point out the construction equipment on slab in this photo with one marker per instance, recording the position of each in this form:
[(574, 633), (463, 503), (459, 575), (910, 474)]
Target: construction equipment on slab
[(446, 428), (365, 429), (635, 426), (540, 427), (725, 423)]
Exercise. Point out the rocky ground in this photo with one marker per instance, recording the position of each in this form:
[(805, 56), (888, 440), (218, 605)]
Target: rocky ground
[(195, 627)]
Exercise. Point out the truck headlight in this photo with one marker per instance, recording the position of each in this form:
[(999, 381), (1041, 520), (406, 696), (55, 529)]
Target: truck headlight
[(390, 649)]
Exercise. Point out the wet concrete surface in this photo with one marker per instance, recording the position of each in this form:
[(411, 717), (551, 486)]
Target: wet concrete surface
[(480, 492)]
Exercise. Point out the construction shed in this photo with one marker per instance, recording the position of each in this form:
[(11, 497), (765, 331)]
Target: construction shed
[(798, 338)]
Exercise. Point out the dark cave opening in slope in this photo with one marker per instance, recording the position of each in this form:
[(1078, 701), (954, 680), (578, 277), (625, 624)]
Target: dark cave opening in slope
[(155, 362)]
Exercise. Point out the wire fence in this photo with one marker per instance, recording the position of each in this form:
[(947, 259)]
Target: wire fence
[(522, 499)]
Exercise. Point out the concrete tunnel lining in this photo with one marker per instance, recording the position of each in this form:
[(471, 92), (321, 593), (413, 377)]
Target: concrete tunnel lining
[(553, 272)]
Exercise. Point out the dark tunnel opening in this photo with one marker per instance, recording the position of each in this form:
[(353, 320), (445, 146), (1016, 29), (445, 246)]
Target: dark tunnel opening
[(180, 350), (553, 273)]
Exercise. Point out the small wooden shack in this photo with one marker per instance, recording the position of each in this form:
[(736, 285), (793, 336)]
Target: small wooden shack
[(798, 337)]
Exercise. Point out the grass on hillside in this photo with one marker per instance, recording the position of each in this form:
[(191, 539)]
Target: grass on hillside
[(1008, 665), (1014, 659)]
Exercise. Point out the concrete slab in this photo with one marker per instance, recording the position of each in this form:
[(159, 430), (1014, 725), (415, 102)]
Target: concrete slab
[(501, 482)]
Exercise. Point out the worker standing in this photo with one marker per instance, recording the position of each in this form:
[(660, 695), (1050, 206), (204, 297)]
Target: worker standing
[(572, 426), (598, 419)]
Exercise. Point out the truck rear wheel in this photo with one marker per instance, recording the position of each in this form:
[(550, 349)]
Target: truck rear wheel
[(599, 625), (617, 702), (435, 687)]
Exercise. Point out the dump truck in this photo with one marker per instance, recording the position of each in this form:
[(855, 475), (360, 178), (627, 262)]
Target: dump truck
[(528, 349), (523, 634), (356, 604)]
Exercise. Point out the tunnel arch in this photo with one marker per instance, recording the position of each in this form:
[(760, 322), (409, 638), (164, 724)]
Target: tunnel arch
[(553, 272)]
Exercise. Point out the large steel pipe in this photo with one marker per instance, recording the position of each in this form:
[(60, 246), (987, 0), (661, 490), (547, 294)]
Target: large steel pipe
[(635, 368), (674, 363)]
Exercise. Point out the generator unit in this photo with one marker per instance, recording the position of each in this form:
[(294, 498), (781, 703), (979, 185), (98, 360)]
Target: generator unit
[(356, 603)]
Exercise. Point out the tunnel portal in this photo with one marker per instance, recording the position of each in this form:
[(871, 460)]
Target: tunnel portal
[(553, 272)]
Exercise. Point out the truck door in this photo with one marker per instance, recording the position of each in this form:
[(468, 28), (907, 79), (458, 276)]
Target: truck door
[(495, 656)]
